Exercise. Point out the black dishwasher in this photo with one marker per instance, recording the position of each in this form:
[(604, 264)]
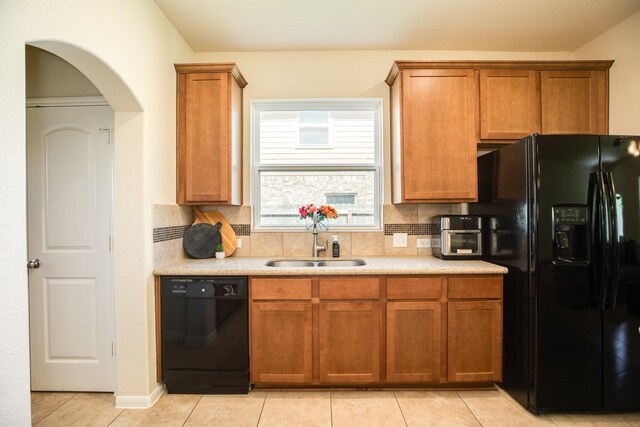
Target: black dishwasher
[(205, 334)]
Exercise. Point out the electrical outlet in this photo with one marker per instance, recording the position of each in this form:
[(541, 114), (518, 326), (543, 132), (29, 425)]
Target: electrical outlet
[(239, 244), (399, 240), (424, 243)]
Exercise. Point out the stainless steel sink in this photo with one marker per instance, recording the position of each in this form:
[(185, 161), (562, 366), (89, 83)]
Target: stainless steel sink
[(341, 263), (289, 263), (315, 263)]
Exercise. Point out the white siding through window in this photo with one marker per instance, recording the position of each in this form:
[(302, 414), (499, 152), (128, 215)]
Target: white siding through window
[(351, 139), (304, 151)]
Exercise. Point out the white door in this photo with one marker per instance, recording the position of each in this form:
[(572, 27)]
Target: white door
[(69, 168)]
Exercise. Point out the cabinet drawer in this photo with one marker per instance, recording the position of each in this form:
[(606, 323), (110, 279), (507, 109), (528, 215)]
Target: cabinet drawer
[(281, 289), (414, 288), (475, 287), (350, 288)]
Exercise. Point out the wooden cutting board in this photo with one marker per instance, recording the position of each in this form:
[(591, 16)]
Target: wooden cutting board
[(229, 238)]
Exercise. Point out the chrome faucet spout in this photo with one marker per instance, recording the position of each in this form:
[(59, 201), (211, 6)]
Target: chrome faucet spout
[(315, 247)]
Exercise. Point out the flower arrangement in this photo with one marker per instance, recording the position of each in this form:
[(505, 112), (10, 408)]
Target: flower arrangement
[(323, 212)]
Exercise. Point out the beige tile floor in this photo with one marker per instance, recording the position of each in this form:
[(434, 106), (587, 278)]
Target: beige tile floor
[(310, 408)]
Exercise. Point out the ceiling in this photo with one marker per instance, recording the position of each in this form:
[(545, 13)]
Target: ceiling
[(497, 25)]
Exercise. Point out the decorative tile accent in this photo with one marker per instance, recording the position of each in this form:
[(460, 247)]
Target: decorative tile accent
[(169, 233), (412, 229), (242, 229), (162, 234)]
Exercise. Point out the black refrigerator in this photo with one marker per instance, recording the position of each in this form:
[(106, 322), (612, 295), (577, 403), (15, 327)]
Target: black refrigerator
[(562, 213)]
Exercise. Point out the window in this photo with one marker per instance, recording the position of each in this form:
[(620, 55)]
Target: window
[(316, 151), (340, 198)]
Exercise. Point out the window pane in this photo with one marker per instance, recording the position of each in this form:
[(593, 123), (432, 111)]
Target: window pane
[(349, 138), (314, 136), (282, 193), (314, 117), (335, 199)]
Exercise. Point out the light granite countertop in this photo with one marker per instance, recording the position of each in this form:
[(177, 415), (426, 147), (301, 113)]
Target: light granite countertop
[(250, 266)]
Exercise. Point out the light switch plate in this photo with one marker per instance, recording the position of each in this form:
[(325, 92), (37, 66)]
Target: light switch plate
[(239, 244), (399, 240)]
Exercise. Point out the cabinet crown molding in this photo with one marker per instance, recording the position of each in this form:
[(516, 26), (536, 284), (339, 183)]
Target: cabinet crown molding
[(504, 65), (221, 67)]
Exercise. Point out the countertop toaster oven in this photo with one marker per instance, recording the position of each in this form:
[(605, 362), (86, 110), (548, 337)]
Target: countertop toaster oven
[(460, 237)]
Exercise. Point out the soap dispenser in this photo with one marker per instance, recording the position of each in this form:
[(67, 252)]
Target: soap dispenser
[(336, 247)]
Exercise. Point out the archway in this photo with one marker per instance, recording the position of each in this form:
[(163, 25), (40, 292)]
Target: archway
[(129, 211)]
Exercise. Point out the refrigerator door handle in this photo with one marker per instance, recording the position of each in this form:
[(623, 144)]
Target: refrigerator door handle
[(614, 247), (599, 272)]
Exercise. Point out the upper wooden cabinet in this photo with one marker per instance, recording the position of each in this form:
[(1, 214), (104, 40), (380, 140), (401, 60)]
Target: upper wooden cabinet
[(574, 102), (434, 134), (441, 111), (551, 97), (509, 104), (209, 143)]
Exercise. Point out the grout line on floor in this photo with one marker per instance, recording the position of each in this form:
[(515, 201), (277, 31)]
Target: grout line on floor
[(192, 409), (264, 402), (116, 417), (60, 406), (331, 406), (470, 410), (400, 408), (550, 420)]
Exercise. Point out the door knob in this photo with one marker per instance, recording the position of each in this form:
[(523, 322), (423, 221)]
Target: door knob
[(34, 263)]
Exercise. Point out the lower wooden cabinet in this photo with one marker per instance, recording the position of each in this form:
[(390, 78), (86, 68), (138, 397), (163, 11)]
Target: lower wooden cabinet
[(475, 341), (414, 336), (349, 342), (281, 334), (376, 330)]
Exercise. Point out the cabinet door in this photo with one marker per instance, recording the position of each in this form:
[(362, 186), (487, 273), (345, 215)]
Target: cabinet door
[(475, 341), (439, 122), (204, 138), (281, 338), (349, 342), (574, 102), (509, 104), (414, 341)]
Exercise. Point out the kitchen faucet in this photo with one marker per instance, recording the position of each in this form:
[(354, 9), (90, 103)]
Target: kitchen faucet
[(315, 247)]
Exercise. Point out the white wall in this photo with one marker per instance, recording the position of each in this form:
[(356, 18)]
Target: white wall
[(335, 74), (49, 76), (621, 43), (127, 49)]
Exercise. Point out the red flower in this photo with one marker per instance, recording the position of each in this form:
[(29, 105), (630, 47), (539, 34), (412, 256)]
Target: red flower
[(322, 213)]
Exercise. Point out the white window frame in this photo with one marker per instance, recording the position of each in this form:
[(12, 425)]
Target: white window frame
[(337, 104)]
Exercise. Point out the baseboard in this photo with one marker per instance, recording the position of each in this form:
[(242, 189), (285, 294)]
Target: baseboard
[(140, 402)]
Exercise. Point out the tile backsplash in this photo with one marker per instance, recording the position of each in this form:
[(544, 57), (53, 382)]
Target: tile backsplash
[(171, 221)]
